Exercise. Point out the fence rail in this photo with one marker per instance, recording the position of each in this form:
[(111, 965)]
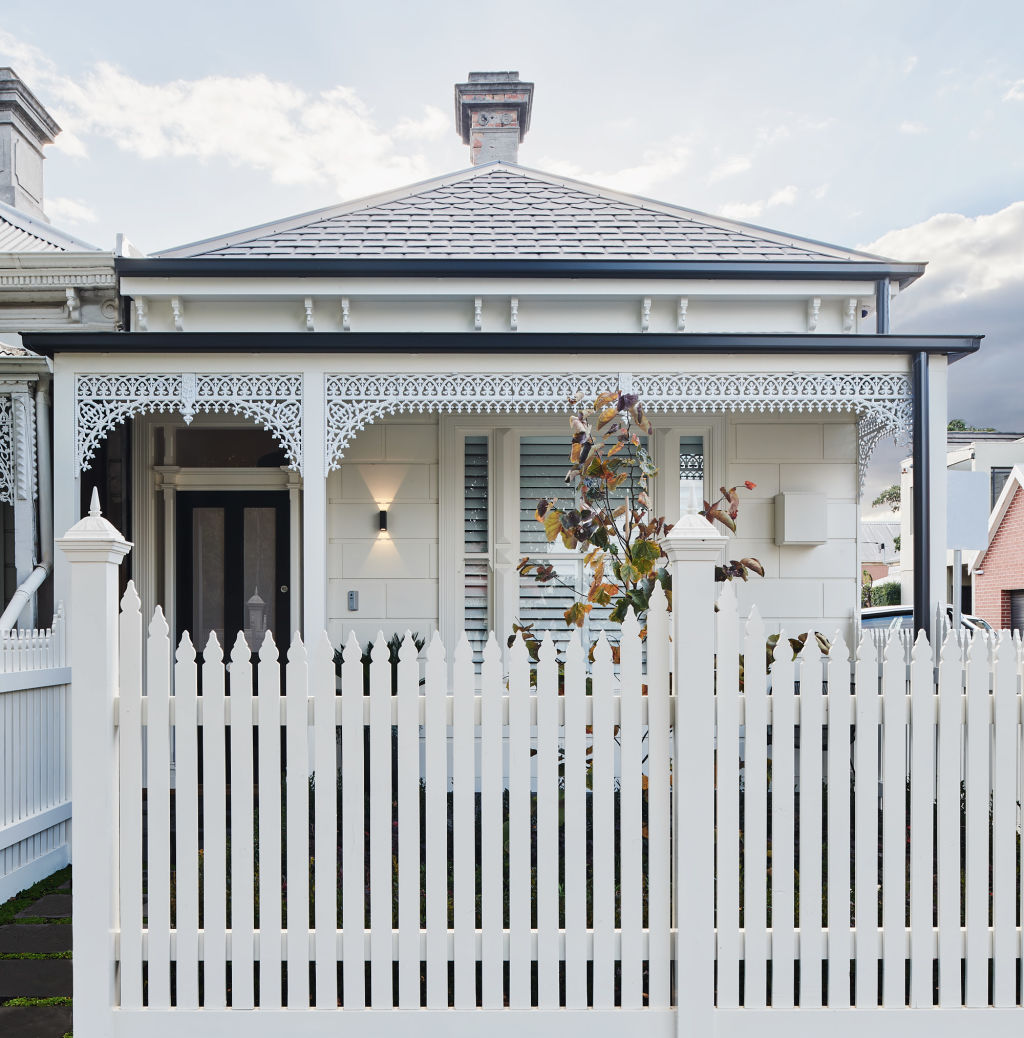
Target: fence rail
[(35, 806), (551, 844)]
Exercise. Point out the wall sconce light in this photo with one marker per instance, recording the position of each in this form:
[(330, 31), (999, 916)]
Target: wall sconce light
[(383, 517)]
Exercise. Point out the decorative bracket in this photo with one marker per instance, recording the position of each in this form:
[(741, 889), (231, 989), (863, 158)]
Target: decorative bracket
[(684, 305), (272, 401), (141, 314), (346, 320), (478, 314), (813, 311), (74, 305), (310, 323), (513, 317), (18, 478), (177, 313), (850, 315), (645, 314)]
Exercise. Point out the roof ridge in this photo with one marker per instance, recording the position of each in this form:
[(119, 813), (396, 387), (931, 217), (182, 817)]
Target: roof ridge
[(43, 231)]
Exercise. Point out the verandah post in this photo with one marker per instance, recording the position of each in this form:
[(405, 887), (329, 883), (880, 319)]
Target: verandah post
[(693, 548), (94, 549)]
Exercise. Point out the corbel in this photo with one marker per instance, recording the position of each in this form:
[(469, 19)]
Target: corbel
[(74, 306), (141, 314), (177, 313), (850, 315), (813, 312), (478, 314), (645, 314), (684, 305), (346, 323), (513, 317), (308, 303)]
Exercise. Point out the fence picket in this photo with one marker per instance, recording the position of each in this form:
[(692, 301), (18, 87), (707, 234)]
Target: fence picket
[(658, 801), (575, 779), (353, 840), (631, 736), (436, 765), (840, 875), (408, 795), (947, 816), (727, 770), (520, 850), (381, 862), (186, 806), (809, 866), (922, 796), (894, 821), (320, 675), (464, 824), (603, 810), (130, 816), (215, 826), (297, 845), (492, 815), (866, 877), (783, 823), (1004, 825), (976, 888), (158, 810), (548, 793), (242, 899), (755, 815), (268, 674)]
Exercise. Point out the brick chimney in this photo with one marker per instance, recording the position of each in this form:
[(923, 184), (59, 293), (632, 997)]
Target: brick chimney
[(25, 128), (492, 113)]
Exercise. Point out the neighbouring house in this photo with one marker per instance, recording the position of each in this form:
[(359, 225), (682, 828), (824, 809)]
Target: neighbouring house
[(970, 450), (879, 549), (278, 389), (49, 281), (998, 571)]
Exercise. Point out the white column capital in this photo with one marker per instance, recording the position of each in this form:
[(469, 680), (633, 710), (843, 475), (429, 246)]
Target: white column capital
[(694, 539), (94, 539)]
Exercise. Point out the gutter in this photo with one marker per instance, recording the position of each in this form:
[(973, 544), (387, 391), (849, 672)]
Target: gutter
[(480, 343), (374, 267), (23, 595)]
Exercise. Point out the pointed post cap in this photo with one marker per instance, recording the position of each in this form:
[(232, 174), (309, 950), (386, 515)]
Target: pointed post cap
[(93, 538), (694, 539)]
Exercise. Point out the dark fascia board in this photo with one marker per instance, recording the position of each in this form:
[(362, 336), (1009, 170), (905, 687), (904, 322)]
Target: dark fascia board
[(787, 270), (472, 343)]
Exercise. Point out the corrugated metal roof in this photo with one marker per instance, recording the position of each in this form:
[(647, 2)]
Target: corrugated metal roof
[(501, 211), (22, 233)]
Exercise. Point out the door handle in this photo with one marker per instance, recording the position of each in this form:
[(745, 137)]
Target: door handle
[(284, 589)]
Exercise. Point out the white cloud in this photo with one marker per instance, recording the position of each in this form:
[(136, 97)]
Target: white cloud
[(294, 136), (909, 65), (820, 191), (967, 256), (752, 210), (913, 128), (729, 168), (1016, 91), (69, 210), (655, 167)]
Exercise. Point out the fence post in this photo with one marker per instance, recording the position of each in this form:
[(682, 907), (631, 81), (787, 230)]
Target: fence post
[(693, 548), (94, 550)]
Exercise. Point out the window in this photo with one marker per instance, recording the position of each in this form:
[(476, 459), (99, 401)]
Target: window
[(496, 472), (998, 481)]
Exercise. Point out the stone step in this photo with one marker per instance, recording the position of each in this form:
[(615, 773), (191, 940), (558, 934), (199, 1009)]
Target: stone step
[(50, 906), (35, 937), (34, 978), (35, 1021)]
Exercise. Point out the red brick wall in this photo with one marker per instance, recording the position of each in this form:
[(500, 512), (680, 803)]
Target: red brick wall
[(1003, 567)]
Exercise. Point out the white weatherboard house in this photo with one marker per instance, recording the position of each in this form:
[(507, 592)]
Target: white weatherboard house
[(412, 352)]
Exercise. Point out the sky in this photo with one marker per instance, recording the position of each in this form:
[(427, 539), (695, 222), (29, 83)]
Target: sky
[(894, 127)]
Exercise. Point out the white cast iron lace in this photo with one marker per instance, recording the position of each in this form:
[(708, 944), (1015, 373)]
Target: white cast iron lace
[(18, 478), (7, 450), (273, 401), (882, 403)]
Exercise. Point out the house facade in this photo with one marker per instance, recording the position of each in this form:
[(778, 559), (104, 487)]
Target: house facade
[(998, 571), (275, 390)]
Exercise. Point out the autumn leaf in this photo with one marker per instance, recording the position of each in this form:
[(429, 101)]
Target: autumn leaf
[(552, 523)]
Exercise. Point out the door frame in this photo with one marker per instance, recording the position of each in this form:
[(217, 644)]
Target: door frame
[(232, 499)]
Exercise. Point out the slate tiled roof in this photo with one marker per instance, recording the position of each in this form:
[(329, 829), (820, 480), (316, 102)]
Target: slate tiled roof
[(499, 211), (22, 233)]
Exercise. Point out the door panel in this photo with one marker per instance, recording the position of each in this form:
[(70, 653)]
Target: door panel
[(232, 562)]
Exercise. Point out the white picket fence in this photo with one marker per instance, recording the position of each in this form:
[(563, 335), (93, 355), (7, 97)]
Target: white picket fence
[(597, 880), (35, 781)]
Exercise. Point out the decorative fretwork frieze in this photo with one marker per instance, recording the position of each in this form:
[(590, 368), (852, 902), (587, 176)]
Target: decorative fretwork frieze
[(18, 478), (273, 401), (882, 402), (7, 450)]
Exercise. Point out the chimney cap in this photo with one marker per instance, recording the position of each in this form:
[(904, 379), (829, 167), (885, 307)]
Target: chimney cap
[(492, 90), (17, 101)]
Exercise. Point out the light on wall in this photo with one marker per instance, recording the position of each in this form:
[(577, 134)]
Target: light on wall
[(383, 519)]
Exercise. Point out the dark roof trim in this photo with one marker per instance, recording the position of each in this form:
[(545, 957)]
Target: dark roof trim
[(789, 270), (542, 343)]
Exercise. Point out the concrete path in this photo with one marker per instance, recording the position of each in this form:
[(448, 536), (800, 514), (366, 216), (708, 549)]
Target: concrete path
[(35, 962)]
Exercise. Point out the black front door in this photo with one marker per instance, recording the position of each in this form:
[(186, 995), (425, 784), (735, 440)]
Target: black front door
[(232, 563)]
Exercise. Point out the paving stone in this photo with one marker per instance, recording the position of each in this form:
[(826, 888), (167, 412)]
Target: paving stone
[(35, 937), (35, 1021), (52, 906), (34, 978)]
